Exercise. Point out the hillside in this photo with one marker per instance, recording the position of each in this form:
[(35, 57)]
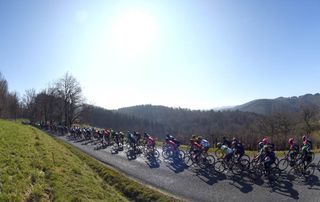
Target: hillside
[(103, 118), (184, 122), (36, 167), (279, 105)]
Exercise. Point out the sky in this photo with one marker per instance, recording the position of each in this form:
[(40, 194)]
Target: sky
[(192, 54)]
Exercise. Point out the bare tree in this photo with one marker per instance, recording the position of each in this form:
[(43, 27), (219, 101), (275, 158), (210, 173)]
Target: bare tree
[(308, 113), (29, 105), (70, 91), (3, 95), (13, 105)]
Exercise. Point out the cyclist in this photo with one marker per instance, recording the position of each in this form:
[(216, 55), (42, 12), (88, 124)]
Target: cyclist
[(226, 142), (204, 144), (131, 140), (293, 150), (227, 151), (172, 139), (121, 137), (149, 141), (194, 144), (267, 155), (137, 136), (238, 148), (306, 154)]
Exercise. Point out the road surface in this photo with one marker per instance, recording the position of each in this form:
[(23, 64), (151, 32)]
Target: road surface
[(193, 184)]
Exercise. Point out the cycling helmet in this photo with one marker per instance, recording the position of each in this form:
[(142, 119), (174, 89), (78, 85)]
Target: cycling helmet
[(219, 144), (146, 135), (234, 139), (261, 145), (265, 141), (291, 141), (304, 138)]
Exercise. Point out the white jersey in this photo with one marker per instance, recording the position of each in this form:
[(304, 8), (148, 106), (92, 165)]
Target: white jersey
[(226, 149)]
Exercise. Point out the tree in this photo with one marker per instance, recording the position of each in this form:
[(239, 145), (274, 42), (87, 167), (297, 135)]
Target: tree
[(28, 103), (3, 95), (69, 90), (13, 105), (308, 113)]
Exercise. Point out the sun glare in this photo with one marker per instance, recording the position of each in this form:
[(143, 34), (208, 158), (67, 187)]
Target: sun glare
[(133, 33)]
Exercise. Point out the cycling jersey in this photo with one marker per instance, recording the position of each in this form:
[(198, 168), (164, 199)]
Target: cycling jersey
[(151, 142), (196, 146), (226, 149), (294, 147)]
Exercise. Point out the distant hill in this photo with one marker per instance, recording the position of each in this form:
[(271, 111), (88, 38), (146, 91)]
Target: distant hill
[(186, 122), (103, 118), (279, 105)]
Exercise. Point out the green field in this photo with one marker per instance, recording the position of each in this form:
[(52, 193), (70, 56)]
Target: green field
[(36, 167)]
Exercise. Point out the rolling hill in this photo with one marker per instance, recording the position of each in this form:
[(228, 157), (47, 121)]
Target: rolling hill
[(279, 105)]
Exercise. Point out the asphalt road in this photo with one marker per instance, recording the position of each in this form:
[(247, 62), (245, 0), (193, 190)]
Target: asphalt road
[(195, 185)]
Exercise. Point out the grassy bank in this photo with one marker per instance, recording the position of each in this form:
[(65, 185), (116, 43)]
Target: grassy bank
[(35, 167)]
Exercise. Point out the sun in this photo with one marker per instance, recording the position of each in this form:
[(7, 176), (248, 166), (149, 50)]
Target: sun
[(133, 33)]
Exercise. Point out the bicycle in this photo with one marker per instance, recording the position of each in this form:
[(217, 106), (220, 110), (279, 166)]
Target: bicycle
[(236, 167), (203, 160), (259, 169), (150, 152), (300, 170), (287, 160), (169, 151)]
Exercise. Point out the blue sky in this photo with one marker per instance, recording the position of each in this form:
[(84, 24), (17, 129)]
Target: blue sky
[(193, 54)]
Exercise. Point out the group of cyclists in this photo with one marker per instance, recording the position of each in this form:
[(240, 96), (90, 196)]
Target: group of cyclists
[(297, 155), (229, 151), (117, 139)]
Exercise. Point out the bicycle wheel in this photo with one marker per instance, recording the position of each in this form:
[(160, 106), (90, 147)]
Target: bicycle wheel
[(210, 160), (283, 164), (245, 164), (220, 166), (236, 168), (167, 153), (188, 160), (156, 153), (255, 172), (309, 170), (274, 174), (206, 161), (218, 153), (246, 157), (294, 173)]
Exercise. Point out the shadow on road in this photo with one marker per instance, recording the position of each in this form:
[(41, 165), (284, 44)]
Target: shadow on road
[(176, 165), (284, 187), (242, 182), (153, 162), (209, 176), (313, 182)]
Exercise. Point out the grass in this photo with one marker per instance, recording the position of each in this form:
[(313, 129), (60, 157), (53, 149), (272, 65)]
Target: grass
[(36, 167)]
